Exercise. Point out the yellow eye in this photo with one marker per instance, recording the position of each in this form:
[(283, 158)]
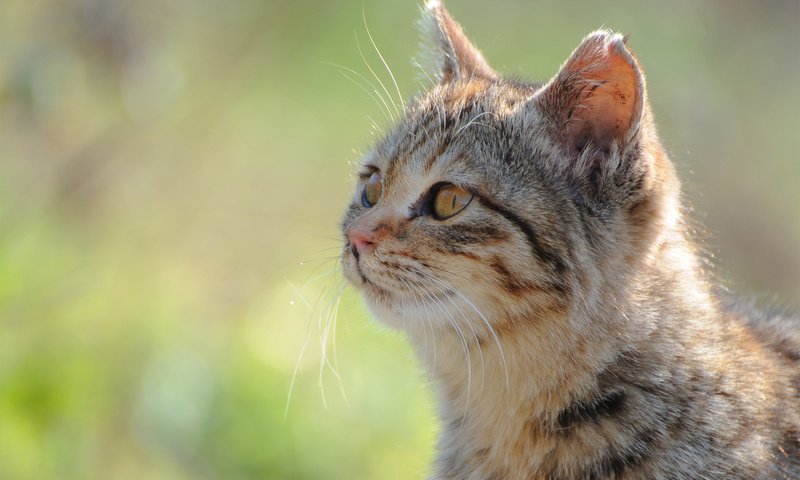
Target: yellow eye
[(450, 200), (373, 190)]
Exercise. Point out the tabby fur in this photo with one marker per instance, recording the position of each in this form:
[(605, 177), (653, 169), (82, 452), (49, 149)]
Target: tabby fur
[(565, 316)]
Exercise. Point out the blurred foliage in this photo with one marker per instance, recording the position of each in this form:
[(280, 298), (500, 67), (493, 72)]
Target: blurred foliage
[(171, 177)]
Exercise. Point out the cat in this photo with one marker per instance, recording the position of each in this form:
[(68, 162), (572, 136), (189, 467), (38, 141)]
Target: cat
[(530, 241)]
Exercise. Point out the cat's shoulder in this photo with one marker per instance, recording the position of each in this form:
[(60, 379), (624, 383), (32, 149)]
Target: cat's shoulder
[(777, 328)]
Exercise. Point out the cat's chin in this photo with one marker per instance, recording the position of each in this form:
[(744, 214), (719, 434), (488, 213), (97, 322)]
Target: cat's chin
[(411, 310), (390, 316), (397, 310), (391, 308), (400, 316), (413, 314), (357, 277)]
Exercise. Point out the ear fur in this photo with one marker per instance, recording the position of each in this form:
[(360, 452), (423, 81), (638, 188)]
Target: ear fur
[(453, 55), (597, 98)]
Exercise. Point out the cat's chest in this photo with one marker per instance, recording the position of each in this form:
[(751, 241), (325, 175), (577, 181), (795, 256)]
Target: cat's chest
[(500, 446)]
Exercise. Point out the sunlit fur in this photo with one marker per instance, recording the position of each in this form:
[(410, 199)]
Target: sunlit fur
[(564, 315)]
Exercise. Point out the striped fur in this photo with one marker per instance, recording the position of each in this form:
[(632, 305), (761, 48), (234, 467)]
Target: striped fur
[(564, 314)]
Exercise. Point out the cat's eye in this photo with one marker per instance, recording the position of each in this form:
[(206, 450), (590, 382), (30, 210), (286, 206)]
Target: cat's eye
[(372, 191), (449, 200)]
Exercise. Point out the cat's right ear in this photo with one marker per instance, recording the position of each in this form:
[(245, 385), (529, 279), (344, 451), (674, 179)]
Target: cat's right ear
[(446, 47), (597, 99)]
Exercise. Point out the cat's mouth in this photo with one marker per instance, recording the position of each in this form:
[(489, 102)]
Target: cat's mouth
[(355, 273), (363, 275), (408, 289)]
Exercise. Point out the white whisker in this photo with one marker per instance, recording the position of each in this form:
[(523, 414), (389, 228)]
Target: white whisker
[(483, 318), (374, 94), (369, 34), (327, 337), (296, 369), (326, 326), (299, 361), (464, 343), (380, 82), (424, 72), (428, 319)]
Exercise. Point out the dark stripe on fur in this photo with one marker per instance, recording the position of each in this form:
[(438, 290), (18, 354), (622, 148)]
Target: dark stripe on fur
[(424, 132), (511, 283), (438, 153), (533, 240), (609, 404), (614, 463)]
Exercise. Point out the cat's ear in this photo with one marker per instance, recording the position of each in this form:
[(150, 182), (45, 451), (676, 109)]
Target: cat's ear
[(446, 47), (597, 99)]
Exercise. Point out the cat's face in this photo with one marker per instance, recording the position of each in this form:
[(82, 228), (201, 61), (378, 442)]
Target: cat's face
[(489, 202), (446, 213)]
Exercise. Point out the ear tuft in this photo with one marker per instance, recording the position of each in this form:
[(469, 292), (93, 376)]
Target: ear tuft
[(447, 49), (598, 96)]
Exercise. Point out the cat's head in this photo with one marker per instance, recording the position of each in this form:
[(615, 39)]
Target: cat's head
[(495, 201)]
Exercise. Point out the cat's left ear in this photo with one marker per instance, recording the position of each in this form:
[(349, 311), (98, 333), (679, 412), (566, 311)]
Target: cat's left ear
[(597, 99), (454, 56)]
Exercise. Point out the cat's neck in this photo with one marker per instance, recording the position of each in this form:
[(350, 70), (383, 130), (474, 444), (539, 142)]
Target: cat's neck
[(500, 387)]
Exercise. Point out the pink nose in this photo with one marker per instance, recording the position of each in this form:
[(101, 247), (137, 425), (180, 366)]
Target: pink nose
[(361, 240)]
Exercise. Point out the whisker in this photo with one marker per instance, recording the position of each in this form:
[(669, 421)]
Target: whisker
[(320, 259), (313, 275), (336, 246), (483, 318), (325, 333), (473, 121), (374, 94), (380, 82), (464, 345), (295, 370), (375, 127), (326, 325), (331, 329), (424, 72), (331, 271), (299, 361), (429, 322), (466, 320), (300, 295), (319, 235), (399, 95)]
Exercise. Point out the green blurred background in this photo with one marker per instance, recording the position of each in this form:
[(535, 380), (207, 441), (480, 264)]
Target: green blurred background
[(171, 177)]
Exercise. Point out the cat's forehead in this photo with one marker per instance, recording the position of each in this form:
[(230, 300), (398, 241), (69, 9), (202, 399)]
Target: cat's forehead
[(500, 96), (409, 165), (447, 124)]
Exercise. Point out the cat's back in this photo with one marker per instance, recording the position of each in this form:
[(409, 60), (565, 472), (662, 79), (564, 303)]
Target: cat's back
[(772, 338), (778, 330)]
